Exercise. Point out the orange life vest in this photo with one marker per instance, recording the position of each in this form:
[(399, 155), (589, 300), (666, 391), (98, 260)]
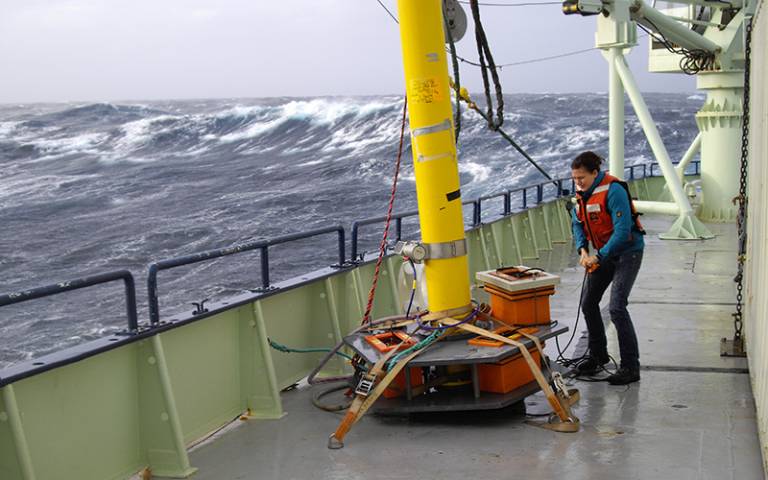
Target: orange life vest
[(594, 215)]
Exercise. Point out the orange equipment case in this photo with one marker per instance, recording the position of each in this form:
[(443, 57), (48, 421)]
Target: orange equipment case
[(527, 307), (397, 387), (507, 375)]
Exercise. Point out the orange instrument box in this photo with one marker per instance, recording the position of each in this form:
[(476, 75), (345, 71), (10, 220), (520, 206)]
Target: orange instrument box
[(507, 375), (529, 307), (519, 295), (397, 387)]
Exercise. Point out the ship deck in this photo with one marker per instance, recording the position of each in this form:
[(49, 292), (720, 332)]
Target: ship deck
[(692, 415)]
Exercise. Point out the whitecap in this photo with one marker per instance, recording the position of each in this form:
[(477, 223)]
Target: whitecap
[(252, 131), (8, 128), (479, 172), (318, 112), (79, 144), (242, 111), (137, 133), (576, 138), (310, 163)]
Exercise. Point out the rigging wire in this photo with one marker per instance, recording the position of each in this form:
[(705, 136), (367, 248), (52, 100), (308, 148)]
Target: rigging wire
[(389, 12), (540, 59), (519, 4), (533, 60), (512, 64)]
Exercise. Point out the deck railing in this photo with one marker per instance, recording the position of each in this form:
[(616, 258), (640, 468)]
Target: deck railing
[(261, 245), (543, 191)]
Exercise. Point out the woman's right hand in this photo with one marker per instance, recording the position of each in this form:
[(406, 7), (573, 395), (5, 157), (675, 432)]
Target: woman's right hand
[(583, 260)]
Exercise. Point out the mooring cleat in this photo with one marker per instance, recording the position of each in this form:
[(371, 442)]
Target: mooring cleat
[(334, 443)]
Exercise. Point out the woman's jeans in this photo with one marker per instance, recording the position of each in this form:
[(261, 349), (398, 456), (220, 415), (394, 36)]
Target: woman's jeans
[(622, 271)]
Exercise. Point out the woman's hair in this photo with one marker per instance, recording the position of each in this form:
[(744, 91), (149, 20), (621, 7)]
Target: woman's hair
[(589, 161)]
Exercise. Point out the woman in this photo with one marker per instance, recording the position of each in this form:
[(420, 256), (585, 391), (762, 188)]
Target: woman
[(605, 218)]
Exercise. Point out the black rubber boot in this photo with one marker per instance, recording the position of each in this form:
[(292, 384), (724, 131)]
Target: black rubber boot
[(590, 366), (624, 376)]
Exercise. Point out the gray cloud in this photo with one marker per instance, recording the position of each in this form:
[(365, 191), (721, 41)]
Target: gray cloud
[(162, 49)]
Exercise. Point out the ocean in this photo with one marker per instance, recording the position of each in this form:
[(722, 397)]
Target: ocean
[(92, 187)]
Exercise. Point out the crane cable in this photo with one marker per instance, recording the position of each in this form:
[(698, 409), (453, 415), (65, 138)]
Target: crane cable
[(457, 85), (484, 53), (464, 96)]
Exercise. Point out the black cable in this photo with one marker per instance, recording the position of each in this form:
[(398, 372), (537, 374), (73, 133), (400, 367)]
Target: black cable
[(317, 396), (515, 145), (456, 79), (692, 61), (484, 53), (576, 361), (561, 359)]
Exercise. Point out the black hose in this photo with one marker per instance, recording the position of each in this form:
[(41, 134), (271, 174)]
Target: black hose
[(311, 378), (317, 396)]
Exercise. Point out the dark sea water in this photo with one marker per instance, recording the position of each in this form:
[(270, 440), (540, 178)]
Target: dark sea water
[(87, 188)]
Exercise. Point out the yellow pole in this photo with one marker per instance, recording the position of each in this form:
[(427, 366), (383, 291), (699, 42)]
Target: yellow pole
[(434, 149)]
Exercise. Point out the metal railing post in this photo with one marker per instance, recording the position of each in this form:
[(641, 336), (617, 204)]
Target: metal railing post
[(342, 247), (353, 241), (264, 254)]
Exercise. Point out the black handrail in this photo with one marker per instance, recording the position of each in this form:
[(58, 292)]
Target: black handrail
[(355, 228), (78, 283), (648, 168), (507, 204), (262, 245)]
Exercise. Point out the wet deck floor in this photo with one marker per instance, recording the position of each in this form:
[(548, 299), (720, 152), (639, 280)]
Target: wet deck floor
[(691, 416)]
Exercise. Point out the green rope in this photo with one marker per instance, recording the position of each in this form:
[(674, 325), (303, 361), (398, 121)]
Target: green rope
[(282, 348), (422, 344)]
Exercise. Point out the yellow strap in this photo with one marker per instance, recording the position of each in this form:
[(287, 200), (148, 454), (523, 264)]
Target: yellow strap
[(562, 410), (352, 412), (388, 325), (453, 312), (361, 404), (388, 378)]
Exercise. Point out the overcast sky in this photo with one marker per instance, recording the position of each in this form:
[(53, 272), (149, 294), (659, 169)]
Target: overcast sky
[(162, 49)]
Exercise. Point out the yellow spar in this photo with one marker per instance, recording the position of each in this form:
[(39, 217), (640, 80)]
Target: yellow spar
[(434, 150)]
